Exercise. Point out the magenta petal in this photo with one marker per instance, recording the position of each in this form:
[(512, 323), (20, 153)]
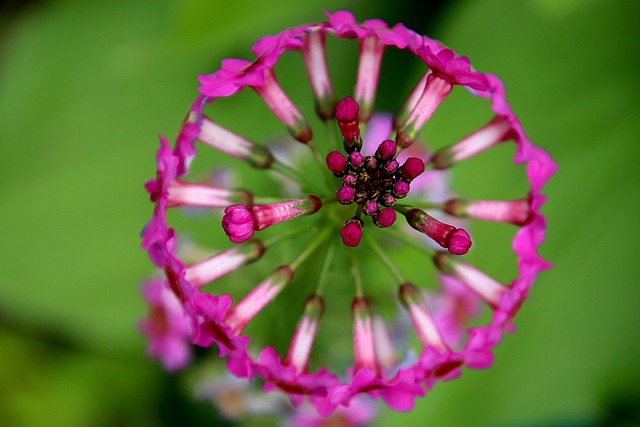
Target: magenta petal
[(167, 327), (342, 22)]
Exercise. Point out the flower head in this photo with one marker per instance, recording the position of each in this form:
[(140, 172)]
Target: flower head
[(356, 183)]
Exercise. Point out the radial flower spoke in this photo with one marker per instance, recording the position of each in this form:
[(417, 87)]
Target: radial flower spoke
[(364, 349), (223, 263), (403, 114), (240, 222), (517, 212), (282, 107), (234, 145), (315, 61), (304, 335), (189, 194), (494, 132), (245, 310), (371, 50), (423, 323), (456, 240), (486, 287), (435, 91), (384, 348)]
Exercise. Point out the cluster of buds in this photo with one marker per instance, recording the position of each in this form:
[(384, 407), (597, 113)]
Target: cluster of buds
[(374, 182)]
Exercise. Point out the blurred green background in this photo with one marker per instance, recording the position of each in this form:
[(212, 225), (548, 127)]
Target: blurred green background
[(85, 87)]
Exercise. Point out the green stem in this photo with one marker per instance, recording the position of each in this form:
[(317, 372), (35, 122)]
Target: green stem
[(324, 170), (355, 273), (409, 241), (320, 237), (395, 272), (277, 238), (326, 267), (295, 175), (331, 135), (425, 206)]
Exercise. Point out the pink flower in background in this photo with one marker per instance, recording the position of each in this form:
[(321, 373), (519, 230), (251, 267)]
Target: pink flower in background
[(311, 318), (167, 327)]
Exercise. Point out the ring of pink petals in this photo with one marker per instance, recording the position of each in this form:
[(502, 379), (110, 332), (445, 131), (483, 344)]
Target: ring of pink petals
[(323, 389)]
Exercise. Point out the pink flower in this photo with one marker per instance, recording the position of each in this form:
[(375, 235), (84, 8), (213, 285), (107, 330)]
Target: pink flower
[(356, 190), (296, 385), (398, 393), (167, 326), (209, 328), (446, 64), (359, 413)]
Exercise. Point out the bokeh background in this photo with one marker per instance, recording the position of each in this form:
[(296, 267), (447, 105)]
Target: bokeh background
[(85, 87)]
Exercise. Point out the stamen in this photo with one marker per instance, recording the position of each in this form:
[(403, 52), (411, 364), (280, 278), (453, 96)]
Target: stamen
[(234, 145), (425, 327), (484, 286), (223, 263), (282, 107), (315, 61)]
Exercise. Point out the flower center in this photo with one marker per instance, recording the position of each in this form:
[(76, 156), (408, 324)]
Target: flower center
[(374, 183)]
